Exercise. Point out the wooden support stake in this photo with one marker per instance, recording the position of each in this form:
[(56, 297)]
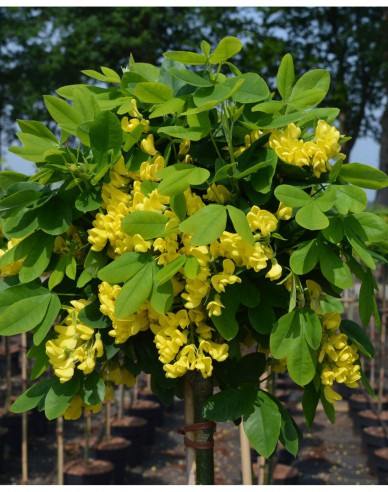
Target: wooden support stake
[(246, 465), (24, 480), (60, 453)]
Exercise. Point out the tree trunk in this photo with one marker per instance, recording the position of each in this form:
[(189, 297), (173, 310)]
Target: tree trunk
[(382, 195), (199, 435)]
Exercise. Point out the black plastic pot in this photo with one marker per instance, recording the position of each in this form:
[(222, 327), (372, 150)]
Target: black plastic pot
[(381, 465), (3, 434), (150, 410), (373, 439), (120, 452), (368, 418), (96, 472), (135, 430)]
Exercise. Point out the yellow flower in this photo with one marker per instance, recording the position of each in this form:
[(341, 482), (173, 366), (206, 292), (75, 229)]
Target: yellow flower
[(275, 272), (283, 212), (147, 145), (214, 307), (217, 193), (331, 395), (184, 147), (219, 281), (331, 321)]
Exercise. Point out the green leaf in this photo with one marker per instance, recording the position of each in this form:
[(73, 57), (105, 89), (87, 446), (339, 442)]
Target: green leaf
[(310, 402), (313, 80), (358, 335), (334, 233), (178, 205), (304, 259), (364, 176), (186, 57), (270, 107), (88, 200), (333, 268), (162, 297), (306, 99), (262, 318), (328, 408), (92, 390), (240, 223), (227, 324), (168, 271), (109, 76), (193, 133), (174, 105), (91, 316), (366, 296), (59, 397), (106, 136), (190, 77), (311, 217), (252, 90), (226, 48), (32, 397), (349, 198), (146, 223), (292, 196), (134, 292), (64, 114), (296, 336), (262, 424), (356, 237), (55, 217), (375, 228), (290, 436), (38, 257), (285, 76), (225, 406), (94, 262), (177, 178), (153, 92), (19, 200), (41, 330), (123, 267), (24, 315), (192, 267), (37, 128), (205, 225)]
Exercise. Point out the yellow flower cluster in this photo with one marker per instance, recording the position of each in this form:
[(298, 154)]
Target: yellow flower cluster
[(74, 410), (12, 268), (128, 125), (173, 331), (77, 345), (315, 153), (112, 372), (122, 328), (338, 358), (179, 337), (118, 203)]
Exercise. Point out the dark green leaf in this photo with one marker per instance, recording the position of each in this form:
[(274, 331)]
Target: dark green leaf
[(262, 424), (92, 390), (59, 397), (358, 335), (32, 397)]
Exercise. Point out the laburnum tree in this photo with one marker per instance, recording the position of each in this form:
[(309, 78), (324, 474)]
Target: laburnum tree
[(189, 221)]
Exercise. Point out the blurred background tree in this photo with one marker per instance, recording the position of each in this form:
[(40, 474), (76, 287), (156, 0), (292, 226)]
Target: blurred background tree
[(45, 48)]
